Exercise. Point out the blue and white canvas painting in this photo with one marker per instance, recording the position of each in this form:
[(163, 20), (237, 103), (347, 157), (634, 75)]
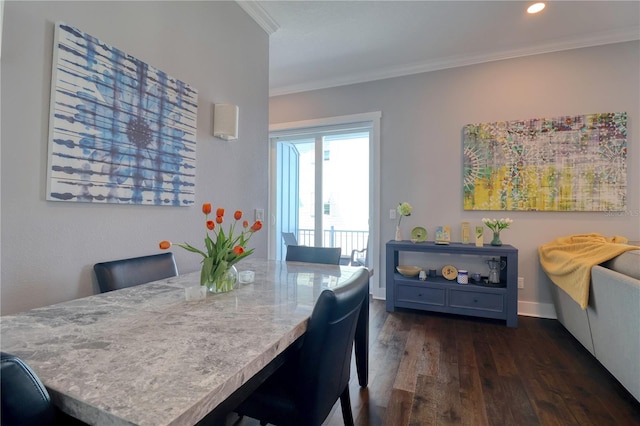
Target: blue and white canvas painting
[(120, 130)]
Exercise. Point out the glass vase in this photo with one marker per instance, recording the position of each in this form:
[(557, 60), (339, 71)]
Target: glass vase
[(398, 233), (227, 281), (496, 239)]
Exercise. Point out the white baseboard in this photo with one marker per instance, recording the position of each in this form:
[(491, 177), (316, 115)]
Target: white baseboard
[(527, 309), (534, 309)]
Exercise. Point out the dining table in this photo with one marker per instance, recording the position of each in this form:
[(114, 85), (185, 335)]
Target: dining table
[(145, 355)]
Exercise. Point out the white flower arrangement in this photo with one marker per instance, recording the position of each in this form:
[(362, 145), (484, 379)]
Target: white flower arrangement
[(497, 225)]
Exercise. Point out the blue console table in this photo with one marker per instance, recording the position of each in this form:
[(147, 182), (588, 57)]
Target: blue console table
[(441, 295)]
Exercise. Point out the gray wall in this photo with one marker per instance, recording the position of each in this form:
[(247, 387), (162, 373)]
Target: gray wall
[(421, 140), (48, 248)]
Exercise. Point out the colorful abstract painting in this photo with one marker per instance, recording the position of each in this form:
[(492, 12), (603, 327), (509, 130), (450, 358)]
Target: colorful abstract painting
[(120, 130), (576, 163)]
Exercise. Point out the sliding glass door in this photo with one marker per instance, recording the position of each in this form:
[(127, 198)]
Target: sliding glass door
[(322, 191), (324, 187)]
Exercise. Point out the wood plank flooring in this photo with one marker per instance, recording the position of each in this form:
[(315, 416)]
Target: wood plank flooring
[(432, 369)]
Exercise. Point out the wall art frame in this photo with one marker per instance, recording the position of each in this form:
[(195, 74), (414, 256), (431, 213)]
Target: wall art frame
[(567, 163), (120, 130)]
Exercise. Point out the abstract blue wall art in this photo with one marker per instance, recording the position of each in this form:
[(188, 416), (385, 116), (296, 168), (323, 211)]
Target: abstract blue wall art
[(120, 131)]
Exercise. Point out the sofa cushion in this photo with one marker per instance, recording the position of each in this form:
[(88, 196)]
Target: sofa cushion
[(628, 263)]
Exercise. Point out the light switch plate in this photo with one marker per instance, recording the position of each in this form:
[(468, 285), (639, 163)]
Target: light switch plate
[(259, 214)]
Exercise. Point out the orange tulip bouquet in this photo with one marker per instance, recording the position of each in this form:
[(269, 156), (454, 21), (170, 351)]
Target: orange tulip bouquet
[(223, 250)]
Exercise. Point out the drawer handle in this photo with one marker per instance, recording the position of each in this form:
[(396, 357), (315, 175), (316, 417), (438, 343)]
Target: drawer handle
[(475, 300)]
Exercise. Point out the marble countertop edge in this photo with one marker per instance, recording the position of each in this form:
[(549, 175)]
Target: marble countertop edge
[(214, 398)]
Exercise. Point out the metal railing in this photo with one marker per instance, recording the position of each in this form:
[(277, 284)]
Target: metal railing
[(347, 240)]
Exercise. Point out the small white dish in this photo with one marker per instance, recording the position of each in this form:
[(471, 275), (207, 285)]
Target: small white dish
[(246, 277), (195, 292)]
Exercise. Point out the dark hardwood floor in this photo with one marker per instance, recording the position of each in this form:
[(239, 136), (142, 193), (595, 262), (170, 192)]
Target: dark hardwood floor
[(432, 369)]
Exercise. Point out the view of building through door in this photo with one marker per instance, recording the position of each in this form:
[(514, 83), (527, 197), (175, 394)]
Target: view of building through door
[(322, 188)]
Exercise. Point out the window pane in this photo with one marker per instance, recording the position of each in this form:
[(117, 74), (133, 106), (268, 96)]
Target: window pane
[(345, 190), (307, 194)]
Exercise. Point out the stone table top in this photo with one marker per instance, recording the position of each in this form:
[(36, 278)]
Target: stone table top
[(145, 356)]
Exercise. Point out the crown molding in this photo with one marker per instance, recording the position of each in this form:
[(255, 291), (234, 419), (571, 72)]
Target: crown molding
[(598, 39), (257, 12)]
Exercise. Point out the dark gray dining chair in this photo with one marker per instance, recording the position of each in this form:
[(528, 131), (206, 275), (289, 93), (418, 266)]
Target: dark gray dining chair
[(306, 387), (328, 255), (117, 274), (25, 400)]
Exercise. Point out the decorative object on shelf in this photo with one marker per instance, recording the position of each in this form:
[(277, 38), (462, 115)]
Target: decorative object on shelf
[(443, 235), (495, 266), (475, 277), (450, 272), (418, 234), (223, 251), (121, 131), (408, 270), (423, 275), (466, 233), (404, 209), (463, 277), (497, 225), (505, 161), (479, 236), (432, 273)]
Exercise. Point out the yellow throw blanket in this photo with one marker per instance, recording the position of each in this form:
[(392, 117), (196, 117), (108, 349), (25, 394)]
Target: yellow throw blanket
[(568, 261)]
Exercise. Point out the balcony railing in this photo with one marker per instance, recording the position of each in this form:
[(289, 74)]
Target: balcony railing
[(347, 240)]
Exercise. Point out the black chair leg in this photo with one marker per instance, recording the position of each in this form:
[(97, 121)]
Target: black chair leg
[(345, 402)]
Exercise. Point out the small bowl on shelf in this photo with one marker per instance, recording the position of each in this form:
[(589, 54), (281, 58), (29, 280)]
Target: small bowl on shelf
[(408, 270)]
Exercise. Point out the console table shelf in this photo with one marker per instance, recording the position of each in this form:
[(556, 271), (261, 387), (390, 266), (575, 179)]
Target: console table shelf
[(441, 295)]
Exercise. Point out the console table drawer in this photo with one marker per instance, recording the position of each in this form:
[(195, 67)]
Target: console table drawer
[(423, 295), (477, 300)]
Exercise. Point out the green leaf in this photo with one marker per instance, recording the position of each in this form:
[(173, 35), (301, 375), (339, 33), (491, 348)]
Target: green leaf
[(209, 244), (207, 271), (190, 248)]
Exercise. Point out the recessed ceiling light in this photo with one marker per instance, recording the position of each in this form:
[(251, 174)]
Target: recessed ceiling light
[(535, 8)]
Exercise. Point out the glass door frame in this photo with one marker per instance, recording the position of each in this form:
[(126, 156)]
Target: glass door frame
[(374, 185)]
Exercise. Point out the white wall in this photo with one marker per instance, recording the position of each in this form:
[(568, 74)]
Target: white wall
[(421, 140), (48, 248)]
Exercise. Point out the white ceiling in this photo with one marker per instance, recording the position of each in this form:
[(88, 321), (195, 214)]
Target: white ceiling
[(317, 44)]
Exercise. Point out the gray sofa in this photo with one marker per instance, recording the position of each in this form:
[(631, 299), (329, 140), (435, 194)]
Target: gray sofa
[(610, 326)]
